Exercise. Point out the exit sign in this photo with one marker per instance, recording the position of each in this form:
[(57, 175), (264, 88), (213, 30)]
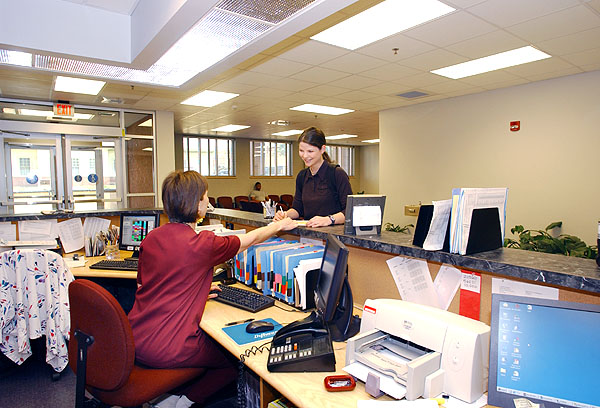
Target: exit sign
[(63, 109)]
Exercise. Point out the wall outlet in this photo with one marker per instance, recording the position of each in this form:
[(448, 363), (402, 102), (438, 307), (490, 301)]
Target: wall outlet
[(412, 210)]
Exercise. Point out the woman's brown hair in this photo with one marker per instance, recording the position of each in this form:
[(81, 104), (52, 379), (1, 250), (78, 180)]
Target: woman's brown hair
[(182, 192), (315, 137)]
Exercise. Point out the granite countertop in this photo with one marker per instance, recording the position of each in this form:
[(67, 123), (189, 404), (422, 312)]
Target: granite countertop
[(78, 214), (553, 269)]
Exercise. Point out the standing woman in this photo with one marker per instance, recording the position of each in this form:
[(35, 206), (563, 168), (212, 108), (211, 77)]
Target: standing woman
[(321, 188), (174, 279)]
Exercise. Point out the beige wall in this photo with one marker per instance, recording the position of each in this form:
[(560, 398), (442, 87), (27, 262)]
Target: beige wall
[(242, 184), (165, 148), (550, 166), (369, 169)]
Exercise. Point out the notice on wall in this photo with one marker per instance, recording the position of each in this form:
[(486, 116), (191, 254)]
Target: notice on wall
[(470, 294)]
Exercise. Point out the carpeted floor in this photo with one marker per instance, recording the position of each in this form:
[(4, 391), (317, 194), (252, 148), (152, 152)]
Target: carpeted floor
[(30, 385)]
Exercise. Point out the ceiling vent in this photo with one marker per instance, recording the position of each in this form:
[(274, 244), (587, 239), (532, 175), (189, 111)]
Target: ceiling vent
[(413, 94)]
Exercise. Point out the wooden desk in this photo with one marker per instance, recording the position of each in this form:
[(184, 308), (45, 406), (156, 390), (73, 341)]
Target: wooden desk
[(302, 389), (86, 272)]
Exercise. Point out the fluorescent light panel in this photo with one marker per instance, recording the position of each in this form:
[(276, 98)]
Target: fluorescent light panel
[(290, 132), (505, 59), (147, 123), (342, 136), (78, 85), (327, 110), (209, 98), (230, 128), (371, 141), (380, 21)]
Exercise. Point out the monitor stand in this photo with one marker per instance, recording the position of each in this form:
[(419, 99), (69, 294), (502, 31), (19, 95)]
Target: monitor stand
[(344, 324), (135, 256)]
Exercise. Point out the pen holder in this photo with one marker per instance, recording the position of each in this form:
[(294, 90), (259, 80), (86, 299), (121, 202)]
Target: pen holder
[(112, 251)]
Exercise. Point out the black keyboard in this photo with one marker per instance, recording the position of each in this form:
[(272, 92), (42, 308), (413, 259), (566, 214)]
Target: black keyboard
[(116, 265), (243, 299)]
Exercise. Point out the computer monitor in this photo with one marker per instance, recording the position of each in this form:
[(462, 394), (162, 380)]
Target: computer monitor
[(333, 296), (364, 214), (134, 228), (546, 351)]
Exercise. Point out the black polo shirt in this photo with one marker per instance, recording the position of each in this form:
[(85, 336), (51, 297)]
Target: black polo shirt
[(314, 197)]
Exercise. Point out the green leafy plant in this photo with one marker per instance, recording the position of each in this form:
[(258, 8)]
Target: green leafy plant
[(543, 241), (397, 228)]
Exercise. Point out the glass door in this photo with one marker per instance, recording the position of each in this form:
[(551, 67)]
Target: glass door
[(31, 174)]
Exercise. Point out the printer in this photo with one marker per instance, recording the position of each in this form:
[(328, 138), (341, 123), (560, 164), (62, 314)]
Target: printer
[(411, 350)]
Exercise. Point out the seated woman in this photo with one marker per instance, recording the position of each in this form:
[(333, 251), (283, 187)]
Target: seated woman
[(174, 280), (257, 194)]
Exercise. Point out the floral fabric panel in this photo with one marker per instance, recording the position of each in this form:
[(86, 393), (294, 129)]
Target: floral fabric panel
[(34, 302)]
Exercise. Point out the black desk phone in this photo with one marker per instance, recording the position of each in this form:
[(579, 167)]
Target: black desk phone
[(304, 345)]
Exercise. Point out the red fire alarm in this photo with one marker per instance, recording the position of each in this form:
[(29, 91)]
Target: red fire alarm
[(515, 126)]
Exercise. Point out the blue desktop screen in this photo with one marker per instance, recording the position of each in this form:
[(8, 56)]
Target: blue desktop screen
[(548, 353)]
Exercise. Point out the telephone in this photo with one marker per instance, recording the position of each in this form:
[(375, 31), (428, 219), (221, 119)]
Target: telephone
[(304, 345)]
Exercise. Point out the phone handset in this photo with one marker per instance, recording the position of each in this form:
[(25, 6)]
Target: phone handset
[(312, 324)]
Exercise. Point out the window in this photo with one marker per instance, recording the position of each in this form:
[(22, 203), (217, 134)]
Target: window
[(342, 155), (24, 166), (209, 156), (270, 158)]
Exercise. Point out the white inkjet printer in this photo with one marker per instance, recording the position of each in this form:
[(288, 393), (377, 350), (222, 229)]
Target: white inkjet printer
[(411, 350)]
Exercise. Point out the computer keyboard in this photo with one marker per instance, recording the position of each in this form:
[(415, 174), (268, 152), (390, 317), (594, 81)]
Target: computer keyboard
[(243, 299), (116, 264)]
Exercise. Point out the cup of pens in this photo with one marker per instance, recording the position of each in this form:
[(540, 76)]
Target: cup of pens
[(269, 208), (112, 251)]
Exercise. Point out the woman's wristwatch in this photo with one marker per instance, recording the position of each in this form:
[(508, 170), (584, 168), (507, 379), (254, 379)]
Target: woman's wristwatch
[(332, 218)]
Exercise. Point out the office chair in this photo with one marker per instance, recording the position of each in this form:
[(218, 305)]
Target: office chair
[(287, 198), (225, 202), (102, 353), (238, 199)]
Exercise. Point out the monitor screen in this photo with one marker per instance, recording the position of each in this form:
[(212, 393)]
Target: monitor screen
[(331, 277), (134, 228), (546, 351)]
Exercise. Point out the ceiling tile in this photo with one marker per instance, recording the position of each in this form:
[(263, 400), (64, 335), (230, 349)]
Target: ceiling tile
[(320, 75), (492, 77), (557, 24), (539, 67), (355, 82), (433, 59), (446, 87), (554, 74), (450, 29), (581, 59), (233, 87), (254, 78), (280, 67), (356, 95), (421, 80), (390, 72), (291, 84), (313, 52), (353, 63), (487, 44), (265, 92), (510, 12), (384, 49), (569, 44), (325, 90)]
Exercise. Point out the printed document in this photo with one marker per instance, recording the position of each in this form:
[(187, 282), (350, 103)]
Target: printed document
[(71, 234), (439, 224), (446, 283), (413, 280), (37, 230)]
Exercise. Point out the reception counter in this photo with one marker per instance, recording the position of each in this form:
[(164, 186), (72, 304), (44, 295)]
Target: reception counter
[(577, 279)]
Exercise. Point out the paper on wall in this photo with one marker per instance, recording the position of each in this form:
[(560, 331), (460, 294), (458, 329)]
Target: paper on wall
[(37, 230), (446, 284), (509, 287), (71, 234), (413, 280), (8, 231)]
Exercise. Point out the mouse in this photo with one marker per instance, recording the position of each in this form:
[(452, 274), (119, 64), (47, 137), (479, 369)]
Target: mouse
[(259, 326)]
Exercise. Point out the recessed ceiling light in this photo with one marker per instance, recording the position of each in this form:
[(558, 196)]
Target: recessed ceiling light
[(147, 149), (337, 137), (380, 21), (78, 85), (327, 110), (291, 132), (35, 112), (147, 123), (209, 98), (371, 141), (230, 128), (12, 111), (505, 59)]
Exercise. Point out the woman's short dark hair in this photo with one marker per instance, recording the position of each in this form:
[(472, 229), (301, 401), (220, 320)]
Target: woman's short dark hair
[(182, 192), (315, 137)]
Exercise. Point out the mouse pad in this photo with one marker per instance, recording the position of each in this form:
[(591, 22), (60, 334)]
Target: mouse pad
[(239, 335)]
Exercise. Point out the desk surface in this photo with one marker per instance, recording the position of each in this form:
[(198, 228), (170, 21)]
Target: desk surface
[(86, 272), (302, 389)]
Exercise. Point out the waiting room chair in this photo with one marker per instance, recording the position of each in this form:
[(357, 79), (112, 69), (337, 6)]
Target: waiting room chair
[(273, 197), (287, 198), (212, 201), (102, 353), (225, 202), (239, 199), (252, 206)]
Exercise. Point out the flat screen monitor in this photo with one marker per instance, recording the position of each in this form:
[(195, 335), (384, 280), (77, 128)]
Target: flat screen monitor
[(364, 214), (134, 228), (546, 351), (333, 296)]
